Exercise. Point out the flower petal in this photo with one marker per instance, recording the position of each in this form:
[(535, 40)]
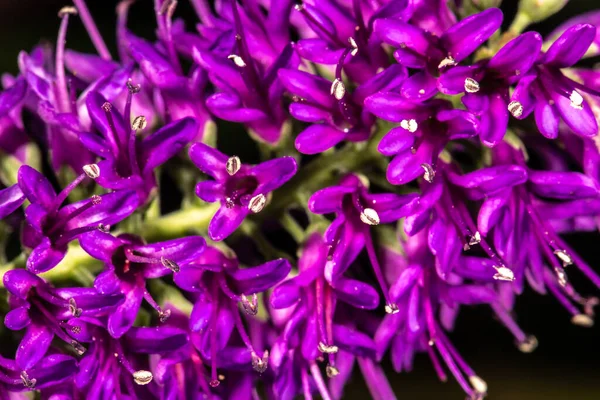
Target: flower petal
[(17, 319), (329, 200), (11, 198), (401, 34), (44, 257), (356, 293), (33, 346), (209, 160), (155, 340), (258, 279), (517, 55), (226, 221), (570, 46), (167, 142), (274, 173), (318, 138), (122, 319), (562, 185), (36, 187)]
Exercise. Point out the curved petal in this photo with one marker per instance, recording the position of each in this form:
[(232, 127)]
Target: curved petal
[(226, 221), (396, 141), (17, 319), (33, 346), (517, 55), (122, 319), (570, 46), (274, 173), (329, 200), (11, 198), (209, 160), (318, 138), (258, 279), (353, 341), (285, 295), (401, 34), (100, 245), (356, 293), (155, 340), (36, 187), (45, 257), (494, 121), (167, 142), (562, 185)]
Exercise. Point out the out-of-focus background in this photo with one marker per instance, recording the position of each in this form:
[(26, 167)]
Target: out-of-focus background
[(566, 364)]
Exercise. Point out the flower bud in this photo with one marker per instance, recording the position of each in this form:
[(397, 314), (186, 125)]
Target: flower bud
[(539, 10)]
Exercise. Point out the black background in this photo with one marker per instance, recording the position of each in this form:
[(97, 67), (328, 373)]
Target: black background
[(566, 364)]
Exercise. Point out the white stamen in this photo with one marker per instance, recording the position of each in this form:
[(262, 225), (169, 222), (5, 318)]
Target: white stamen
[(528, 345), (503, 273), (331, 371), (237, 60), (133, 89), (299, 7), (564, 257), (67, 10), (163, 315), (142, 377), (576, 100), (475, 239), (478, 384), (172, 265), (354, 46), (257, 203), (447, 62), (91, 170), (139, 123), (323, 348), (515, 108), (429, 173), (76, 312), (561, 275), (27, 382), (260, 364), (471, 85), (338, 90), (392, 308), (79, 349), (250, 307), (582, 320), (369, 216), (103, 228), (233, 165), (409, 124)]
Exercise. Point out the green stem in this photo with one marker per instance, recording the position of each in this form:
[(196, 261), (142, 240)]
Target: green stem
[(293, 228), (519, 24), (179, 223)]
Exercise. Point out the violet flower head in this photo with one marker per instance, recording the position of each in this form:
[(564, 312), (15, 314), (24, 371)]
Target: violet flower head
[(551, 95), (356, 211), (49, 226), (43, 310), (51, 371), (129, 262), (311, 328), (220, 285), (430, 54), (240, 188), (243, 63), (129, 163)]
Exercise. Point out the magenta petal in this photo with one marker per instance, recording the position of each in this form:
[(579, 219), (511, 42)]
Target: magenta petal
[(592, 18), (581, 121), (452, 81), (12, 96), (285, 295), (495, 121), (407, 278), (491, 180), (210, 191), (200, 316), (18, 282), (36, 187), (307, 86), (33, 346), (209, 160), (328, 200), (225, 221), (165, 143), (274, 173), (260, 278), (546, 118), (401, 34), (396, 141), (354, 341), (420, 86), (394, 107), (318, 51), (517, 55), (107, 282), (309, 113), (223, 106), (356, 293), (471, 294), (570, 46), (17, 319), (123, 317), (491, 210), (467, 35), (387, 80), (44, 257), (11, 198), (100, 245), (563, 185), (318, 138)]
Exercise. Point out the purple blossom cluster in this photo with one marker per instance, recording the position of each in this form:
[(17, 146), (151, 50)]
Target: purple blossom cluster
[(402, 176)]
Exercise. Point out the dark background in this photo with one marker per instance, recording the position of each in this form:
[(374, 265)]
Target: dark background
[(566, 363)]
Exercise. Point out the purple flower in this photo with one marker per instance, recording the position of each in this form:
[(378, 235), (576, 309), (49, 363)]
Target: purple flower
[(120, 368), (243, 63), (241, 189), (306, 305), (528, 240), (219, 285), (49, 227), (334, 113), (42, 310), (356, 211), (550, 95), (429, 53), (129, 262), (421, 296), (50, 371), (12, 133), (129, 163), (424, 131), (486, 84)]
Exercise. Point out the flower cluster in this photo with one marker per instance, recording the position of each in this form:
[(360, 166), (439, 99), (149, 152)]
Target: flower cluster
[(398, 175)]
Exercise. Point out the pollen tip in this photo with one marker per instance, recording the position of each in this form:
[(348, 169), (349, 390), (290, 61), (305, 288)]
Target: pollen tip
[(478, 384), (582, 320), (257, 203), (237, 60), (331, 371), (133, 89), (142, 377), (28, 382), (91, 170), (392, 308), (338, 89), (447, 62), (370, 217), (504, 274), (429, 173), (233, 165), (528, 345), (250, 307), (515, 108), (576, 100), (139, 123), (67, 10), (172, 265), (327, 349), (471, 85), (260, 364), (410, 125), (163, 315)]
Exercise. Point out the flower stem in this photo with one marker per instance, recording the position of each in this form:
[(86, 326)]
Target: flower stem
[(179, 223)]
